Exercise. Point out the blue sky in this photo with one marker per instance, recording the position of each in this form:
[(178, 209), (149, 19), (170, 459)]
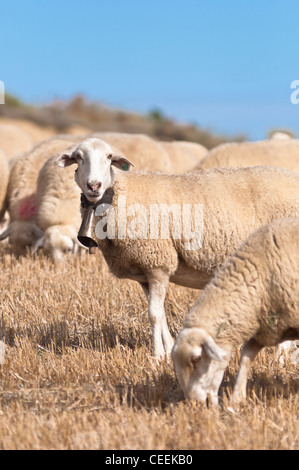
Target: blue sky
[(226, 65)]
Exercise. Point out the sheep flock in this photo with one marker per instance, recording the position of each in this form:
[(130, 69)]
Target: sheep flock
[(223, 222)]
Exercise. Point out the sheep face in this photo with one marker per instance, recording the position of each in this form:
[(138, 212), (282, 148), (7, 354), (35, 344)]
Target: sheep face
[(96, 161), (58, 241), (199, 364)]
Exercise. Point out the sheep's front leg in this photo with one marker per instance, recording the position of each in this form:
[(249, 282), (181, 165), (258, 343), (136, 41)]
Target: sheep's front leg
[(249, 351), (156, 290)]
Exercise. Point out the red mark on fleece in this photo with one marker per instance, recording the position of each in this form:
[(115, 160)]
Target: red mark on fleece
[(28, 208)]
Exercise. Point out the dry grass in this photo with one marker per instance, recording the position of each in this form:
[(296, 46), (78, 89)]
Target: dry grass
[(78, 373)]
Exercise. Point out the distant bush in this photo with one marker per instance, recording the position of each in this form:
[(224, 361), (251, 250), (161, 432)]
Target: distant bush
[(156, 115), (13, 101), (98, 117)]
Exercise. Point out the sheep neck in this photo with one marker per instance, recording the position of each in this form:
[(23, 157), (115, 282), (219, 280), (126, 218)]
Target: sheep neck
[(228, 308)]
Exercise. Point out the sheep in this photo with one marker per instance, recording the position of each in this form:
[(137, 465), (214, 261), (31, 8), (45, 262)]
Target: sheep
[(151, 155), (146, 152), (34, 131), (4, 183), (58, 205), (234, 201), (281, 153), (22, 230), (252, 299), (14, 140), (289, 349), (184, 156), (58, 197), (280, 135), (58, 210)]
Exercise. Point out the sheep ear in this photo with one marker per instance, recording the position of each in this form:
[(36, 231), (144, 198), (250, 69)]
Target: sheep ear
[(121, 163), (38, 244), (213, 351), (37, 232), (66, 160), (5, 234)]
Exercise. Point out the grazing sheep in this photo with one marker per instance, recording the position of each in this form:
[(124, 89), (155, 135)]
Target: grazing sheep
[(281, 153), (289, 349), (184, 156), (58, 210), (22, 230), (252, 299), (14, 140), (234, 203)]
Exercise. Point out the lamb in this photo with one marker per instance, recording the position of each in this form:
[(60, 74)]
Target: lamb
[(14, 140), (234, 201), (252, 299), (22, 230), (281, 153), (184, 156)]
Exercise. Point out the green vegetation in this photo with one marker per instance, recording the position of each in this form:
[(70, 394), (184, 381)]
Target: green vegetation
[(13, 102)]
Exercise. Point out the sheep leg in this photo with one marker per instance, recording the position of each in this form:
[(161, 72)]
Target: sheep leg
[(166, 336), (249, 351), (156, 290), (168, 340)]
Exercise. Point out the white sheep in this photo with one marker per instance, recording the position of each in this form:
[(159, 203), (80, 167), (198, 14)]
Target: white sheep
[(146, 152), (14, 140), (184, 156), (22, 230), (58, 210), (234, 203), (252, 299), (281, 153), (280, 135), (58, 196)]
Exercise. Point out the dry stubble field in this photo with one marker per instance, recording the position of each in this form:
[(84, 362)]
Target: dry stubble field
[(78, 372)]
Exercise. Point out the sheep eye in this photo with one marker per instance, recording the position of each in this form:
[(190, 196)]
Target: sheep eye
[(110, 156), (195, 360)]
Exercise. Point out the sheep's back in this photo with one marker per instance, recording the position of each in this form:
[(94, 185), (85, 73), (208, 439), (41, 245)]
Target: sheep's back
[(275, 153)]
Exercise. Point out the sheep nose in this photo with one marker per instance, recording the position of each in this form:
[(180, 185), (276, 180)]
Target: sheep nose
[(93, 186)]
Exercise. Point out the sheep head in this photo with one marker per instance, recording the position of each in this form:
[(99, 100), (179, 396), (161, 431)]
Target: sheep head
[(96, 162), (199, 364)]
